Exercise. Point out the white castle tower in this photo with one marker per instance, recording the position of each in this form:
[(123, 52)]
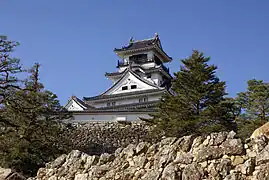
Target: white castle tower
[(140, 82)]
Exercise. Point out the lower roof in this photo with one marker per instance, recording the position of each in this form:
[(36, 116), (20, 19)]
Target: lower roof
[(102, 112), (142, 107), (122, 95)]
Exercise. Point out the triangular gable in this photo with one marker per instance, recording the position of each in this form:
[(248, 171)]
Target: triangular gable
[(73, 104), (130, 78)]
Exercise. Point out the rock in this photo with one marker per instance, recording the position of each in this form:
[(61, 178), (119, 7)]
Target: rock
[(90, 161), (237, 160), (57, 162), (4, 173), (247, 168), (168, 141), (215, 157), (233, 176), (151, 175), (192, 172), (224, 167), (104, 158), (169, 172), (138, 174), (259, 143), (208, 153), (251, 154), (232, 147), (206, 141), (185, 158), (184, 143), (263, 156), (231, 135), (8, 174), (139, 161), (204, 164), (221, 136), (262, 173), (129, 150), (81, 177), (141, 148), (263, 130), (197, 142)]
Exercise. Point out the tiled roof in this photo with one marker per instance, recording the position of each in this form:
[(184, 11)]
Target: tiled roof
[(146, 107), (142, 44), (116, 111), (137, 76), (150, 70), (124, 95), (141, 105), (115, 73), (80, 102), (138, 44)]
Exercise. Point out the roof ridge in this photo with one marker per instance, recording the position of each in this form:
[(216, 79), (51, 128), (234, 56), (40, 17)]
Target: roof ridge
[(144, 40), (81, 102)]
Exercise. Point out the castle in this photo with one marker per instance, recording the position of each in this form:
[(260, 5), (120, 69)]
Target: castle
[(138, 85)]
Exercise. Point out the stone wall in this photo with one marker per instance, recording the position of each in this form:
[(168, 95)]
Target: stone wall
[(9, 174), (97, 138), (216, 156)]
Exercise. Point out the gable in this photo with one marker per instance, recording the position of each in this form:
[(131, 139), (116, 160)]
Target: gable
[(72, 105), (128, 81)]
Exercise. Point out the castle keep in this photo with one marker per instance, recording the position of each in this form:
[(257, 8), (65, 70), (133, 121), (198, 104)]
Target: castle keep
[(138, 84)]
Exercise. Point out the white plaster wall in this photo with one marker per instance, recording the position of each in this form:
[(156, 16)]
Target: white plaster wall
[(150, 55), (148, 65), (109, 117), (129, 80), (114, 80), (73, 106), (157, 78), (121, 69)]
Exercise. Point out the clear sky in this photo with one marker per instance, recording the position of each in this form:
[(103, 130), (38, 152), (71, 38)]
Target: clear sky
[(74, 40)]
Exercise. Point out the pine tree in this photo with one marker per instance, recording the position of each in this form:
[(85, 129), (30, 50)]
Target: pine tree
[(255, 101), (36, 135), (255, 107), (9, 68), (199, 105)]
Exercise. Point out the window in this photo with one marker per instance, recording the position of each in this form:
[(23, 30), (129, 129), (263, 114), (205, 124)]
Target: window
[(139, 58), (144, 99), (111, 103), (124, 88), (133, 86)]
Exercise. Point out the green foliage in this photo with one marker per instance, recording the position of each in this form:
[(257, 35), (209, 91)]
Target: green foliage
[(199, 105), (255, 101), (9, 67), (255, 106), (30, 131)]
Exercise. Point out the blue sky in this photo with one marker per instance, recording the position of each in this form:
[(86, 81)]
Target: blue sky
[(74, 40)]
